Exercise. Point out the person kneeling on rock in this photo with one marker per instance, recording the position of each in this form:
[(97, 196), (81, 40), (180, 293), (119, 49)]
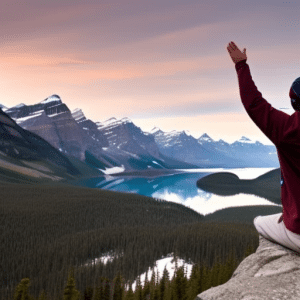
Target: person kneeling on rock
[(284, 131)]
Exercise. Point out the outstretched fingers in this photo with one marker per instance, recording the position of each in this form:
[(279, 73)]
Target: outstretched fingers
[(231, 46)]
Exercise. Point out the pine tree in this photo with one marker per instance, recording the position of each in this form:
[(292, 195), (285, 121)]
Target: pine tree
[(146, 290), (118, 289), (171, 288), (223, 275), (88, 293), (129, 294), (99, 291), (194, 285), (157, 279), (229, 267), (70, 292), (176, 263), (156, 294), (163, 284), (205, 278), (21, 292), (43, 296), (138, 289), (215, 271), (201, 277), (106, 292), (220, 271), (180, 285), (152, 284)]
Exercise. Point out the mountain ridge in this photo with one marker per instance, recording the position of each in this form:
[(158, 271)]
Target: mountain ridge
[(120, 143)]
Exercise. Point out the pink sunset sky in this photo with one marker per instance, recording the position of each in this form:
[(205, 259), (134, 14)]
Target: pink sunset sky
[(160, 63)]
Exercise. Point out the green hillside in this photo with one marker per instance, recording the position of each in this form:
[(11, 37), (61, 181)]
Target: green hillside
[(46, 229)]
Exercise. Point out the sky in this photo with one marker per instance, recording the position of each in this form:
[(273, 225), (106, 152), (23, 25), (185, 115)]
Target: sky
[(161, 63)]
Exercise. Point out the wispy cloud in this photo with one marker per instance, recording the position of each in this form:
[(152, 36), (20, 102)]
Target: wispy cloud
[(143, 56)]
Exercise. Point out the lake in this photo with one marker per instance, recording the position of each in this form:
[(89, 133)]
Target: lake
[(181, 188)]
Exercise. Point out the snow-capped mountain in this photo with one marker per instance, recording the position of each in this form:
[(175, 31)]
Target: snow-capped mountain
[(205, 138), (205, 151), (155, 130), (25, 156), (52, 120), (113, 144), (139, 149), (180, 145), (89, 127), (245, 140), (120, 144), (51, 99), (123, 134)]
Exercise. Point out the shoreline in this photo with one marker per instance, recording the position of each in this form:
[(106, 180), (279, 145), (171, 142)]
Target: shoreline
[(147, 173)]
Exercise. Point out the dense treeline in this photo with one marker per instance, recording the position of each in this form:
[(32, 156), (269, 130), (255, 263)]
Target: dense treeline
[(46, 230), (158, 288)]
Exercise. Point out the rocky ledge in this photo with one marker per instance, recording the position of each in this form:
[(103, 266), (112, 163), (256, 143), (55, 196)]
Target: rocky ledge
[(272, 272)]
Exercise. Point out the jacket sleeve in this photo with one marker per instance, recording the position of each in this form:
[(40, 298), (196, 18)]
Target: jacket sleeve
[(271, 122)]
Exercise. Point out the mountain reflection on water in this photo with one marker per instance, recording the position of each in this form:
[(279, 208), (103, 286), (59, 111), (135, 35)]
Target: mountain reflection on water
[(181, 188)]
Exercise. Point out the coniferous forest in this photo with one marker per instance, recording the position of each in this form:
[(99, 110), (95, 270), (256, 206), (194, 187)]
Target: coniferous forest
[(48, 233)]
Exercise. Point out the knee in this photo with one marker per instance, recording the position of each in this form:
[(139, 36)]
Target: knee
[(255, 219)]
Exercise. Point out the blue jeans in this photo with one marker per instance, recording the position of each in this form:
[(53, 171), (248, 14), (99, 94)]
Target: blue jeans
[(272, 228)]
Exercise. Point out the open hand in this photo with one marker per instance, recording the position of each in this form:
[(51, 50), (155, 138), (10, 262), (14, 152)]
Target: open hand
[(235, 52)]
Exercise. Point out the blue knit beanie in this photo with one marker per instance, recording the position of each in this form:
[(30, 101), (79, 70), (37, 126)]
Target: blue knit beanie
[(295, 94)]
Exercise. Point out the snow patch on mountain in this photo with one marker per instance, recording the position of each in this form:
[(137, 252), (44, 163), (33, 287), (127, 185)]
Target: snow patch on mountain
[(113, 122), (245, 140), (51, 99), (205, 138), (78, 115), (4, 108), (33, 115), (167, 262), (55, 114), (113, 170), (157, 163)]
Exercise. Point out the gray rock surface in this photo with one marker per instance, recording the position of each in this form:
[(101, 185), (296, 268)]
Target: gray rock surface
[(272, 272)]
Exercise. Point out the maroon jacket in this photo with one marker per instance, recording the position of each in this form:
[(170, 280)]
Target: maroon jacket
[(284, 132)]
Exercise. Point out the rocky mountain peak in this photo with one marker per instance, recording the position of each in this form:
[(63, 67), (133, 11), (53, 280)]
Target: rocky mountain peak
[(126, 120), (222, 142), (76, 110), (177, 133), (78, 115), (113, 119), (271, 272), (113, 122), (205, 138), (19, 105), (52, 98), (156, 131), (4, 108), (244, 139), (19, 143)]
